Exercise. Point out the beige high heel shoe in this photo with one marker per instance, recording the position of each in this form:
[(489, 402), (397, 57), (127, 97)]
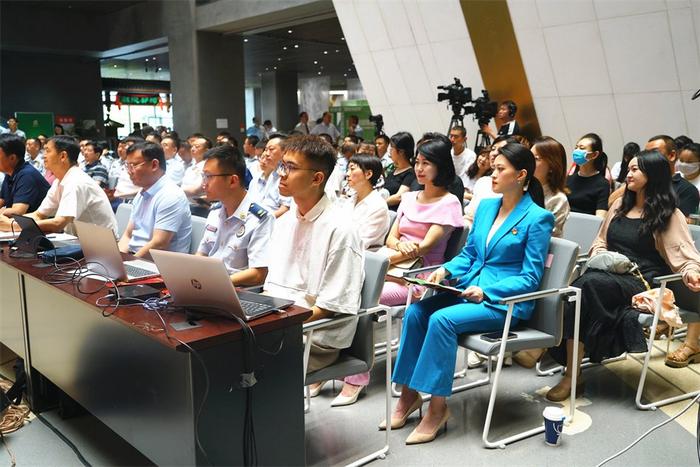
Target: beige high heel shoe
[(420, 438), (399, 422)]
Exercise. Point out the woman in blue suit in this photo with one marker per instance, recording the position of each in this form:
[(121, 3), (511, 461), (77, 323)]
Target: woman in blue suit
[(504, 256)]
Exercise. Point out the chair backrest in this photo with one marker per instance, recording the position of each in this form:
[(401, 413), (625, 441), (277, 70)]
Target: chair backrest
[(376, 266), (457, 240), (392, 218), (199, 224), (548, 316), (582, 229), (685, 298), (123, 215), (362, 346)]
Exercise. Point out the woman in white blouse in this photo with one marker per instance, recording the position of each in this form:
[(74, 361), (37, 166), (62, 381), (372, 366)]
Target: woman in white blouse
[(370, 214)]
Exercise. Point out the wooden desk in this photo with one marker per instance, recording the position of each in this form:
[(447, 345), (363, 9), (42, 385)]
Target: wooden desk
[(148, 388)]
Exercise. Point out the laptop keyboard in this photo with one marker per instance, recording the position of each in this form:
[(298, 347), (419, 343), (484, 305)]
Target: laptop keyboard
[(135, 271), (253, 308)]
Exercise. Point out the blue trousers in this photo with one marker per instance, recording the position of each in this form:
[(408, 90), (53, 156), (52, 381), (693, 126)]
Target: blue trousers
[(428, 350)]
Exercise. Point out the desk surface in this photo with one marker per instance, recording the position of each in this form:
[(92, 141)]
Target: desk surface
[(213, 331)]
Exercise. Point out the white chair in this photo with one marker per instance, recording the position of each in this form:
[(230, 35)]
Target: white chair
[(544, 329), (582, 229), (359, 357), (688, 303), (123, 215), (199, 224)]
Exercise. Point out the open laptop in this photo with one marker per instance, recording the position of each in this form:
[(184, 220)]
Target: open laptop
[(203, 284), (102, 255)]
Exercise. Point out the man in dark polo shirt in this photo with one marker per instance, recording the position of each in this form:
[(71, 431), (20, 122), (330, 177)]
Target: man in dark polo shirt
[(24, 187)]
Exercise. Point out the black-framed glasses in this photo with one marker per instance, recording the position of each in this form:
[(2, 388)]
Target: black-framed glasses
[(207, 177), (284, 169)]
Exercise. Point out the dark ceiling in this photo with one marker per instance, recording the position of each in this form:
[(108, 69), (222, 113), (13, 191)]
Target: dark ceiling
[(88, 7), (316, 48)]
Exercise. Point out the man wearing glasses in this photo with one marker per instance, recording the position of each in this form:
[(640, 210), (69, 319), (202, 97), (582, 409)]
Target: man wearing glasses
[(161, 215), (72, 196), (264, 187), (318, 260), (239, 231)]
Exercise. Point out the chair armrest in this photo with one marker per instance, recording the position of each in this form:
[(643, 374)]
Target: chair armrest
[(415, 272), (535, 295), (668, 278), (339, 317)]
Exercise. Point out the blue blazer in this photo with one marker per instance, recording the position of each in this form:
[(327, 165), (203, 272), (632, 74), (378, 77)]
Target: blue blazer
[(513, 262)]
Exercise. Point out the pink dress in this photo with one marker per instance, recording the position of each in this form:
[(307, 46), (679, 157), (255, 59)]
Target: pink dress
[(415, 219)]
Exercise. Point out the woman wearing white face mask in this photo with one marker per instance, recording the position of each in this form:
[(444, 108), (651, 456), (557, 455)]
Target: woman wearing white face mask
[(689, 164)]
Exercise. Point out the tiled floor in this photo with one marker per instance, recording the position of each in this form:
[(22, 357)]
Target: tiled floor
[(607, 421)]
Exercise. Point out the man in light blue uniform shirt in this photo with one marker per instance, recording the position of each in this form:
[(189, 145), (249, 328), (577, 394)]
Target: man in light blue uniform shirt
[(161, 215), (239, 231), (264, 188)]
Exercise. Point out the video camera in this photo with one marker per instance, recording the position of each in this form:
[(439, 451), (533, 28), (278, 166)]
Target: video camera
[(378, 121), (484, 109)]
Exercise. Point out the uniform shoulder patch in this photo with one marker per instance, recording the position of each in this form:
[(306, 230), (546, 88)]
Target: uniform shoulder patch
[(257, 211)]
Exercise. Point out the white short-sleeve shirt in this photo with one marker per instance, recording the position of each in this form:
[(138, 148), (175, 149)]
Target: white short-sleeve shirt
[(462, 162), (371, 218), (78, 196), (318, 260)]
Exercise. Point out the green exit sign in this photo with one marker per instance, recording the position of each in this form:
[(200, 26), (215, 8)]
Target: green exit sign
[(137, 99)]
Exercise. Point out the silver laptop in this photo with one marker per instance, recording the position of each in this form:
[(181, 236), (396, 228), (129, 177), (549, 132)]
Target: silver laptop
[(203, 284), (102, 255)]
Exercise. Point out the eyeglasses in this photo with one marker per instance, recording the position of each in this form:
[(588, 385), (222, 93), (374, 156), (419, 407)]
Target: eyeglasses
[(284, 169), (131, 167), (207, 177)]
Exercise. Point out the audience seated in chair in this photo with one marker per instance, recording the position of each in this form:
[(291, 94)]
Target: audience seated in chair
[(265, 186), (481, 167), (588, 188), (551, 172), (504, 256), (192, 179), (239, 231), (23, 188), (645, 226), (73, 195), (317, 252), (425, 219), (161, 217), (400, 174)]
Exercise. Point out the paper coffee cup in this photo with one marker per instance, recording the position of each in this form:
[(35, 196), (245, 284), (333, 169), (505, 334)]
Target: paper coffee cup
[(553, 425)]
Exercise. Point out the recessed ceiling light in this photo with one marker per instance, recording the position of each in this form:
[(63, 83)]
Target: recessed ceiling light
[(146, 59), (345, 74), (296, 46), (349, 69), (274, 67), (319, 72), (115, 66), (267, 69), (325, 52), (289, 31), (279, 59), (337, 50), (342, 38), (284, 48), (245, 40), (154, 58), (315, 62)]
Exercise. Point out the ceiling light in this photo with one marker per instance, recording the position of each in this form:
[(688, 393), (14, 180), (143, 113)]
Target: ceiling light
[(342, 38), (325, 52), (154, 58), (319, 72), (337, 50), (284, 48), (274, 68), (146, 59), (279, 59), (289, 31), (267, 69), (345, 74), (115, 66), (315, 62), (296, 46), (245, 40), (349, 69)]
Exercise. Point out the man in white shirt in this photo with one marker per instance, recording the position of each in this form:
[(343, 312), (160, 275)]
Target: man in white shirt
[(264, 187), (326, 127), (462, 156), (239, 231), (12, 127), (255, 129), (318, 259), (174, 168), (72, 196), (303, 125), (381, 142), (161, 217), (34, 155), (192, 179)]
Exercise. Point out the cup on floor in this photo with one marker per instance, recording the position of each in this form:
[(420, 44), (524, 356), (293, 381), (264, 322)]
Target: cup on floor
[(553, 424)]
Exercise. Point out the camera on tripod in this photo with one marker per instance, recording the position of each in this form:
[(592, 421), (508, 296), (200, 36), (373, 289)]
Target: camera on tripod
[(378, 121), (484, 109)]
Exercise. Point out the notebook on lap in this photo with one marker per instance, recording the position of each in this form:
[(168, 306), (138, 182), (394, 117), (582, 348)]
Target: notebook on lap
[(203, 284), (102, 255)]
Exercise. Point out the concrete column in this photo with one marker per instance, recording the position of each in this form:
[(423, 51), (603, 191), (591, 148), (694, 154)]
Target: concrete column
[(207, 76), (279, 99)]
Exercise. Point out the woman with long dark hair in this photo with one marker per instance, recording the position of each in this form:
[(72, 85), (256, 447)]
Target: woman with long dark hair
[(400, 175), (481, 167), (551, 172), (646, 226), (504, 255), (619, 170), (588, 189)]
